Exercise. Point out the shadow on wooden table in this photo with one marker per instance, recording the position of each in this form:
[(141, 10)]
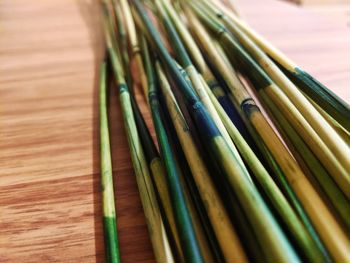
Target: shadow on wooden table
[(90, 13)]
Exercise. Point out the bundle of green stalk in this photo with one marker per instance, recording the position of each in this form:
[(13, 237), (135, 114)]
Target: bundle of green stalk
[(219, 184)]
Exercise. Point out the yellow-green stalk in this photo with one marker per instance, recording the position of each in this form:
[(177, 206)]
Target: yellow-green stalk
[(108, 206), (134, 43)]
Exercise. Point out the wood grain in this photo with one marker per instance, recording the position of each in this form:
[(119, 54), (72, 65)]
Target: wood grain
[(320, 2), (50, 205), (340, 12)]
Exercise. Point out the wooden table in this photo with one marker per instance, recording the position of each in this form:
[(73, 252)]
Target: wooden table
[(320, 2), (50, 205)]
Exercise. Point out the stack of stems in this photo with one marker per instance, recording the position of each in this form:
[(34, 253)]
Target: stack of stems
[(289, 193), (186, 230)]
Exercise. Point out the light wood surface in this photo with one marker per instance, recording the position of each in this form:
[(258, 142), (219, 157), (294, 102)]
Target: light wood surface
[(339, 12), (50, 205), (320, 2)]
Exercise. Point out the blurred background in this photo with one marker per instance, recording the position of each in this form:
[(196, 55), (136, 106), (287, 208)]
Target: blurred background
[(336, 9)]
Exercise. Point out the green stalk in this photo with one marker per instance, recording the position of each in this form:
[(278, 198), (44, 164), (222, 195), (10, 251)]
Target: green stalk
[(323, 96), (122, 36), (151, 153), (345, 134), (186, 37), (108, 206), (238, 217), (247, 193), (184, 222), (159, 178)]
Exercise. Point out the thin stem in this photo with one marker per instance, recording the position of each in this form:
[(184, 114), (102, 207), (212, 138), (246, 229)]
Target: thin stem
[(108, 206)]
